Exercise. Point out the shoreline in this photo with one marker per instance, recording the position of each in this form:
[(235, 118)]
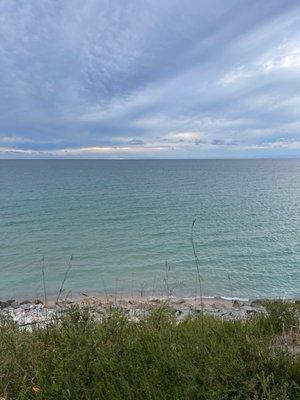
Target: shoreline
[(27, 313), (75, 296)]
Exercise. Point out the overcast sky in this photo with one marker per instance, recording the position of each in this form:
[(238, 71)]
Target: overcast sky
[(148, 79)]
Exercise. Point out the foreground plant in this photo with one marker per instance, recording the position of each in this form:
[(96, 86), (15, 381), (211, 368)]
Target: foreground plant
[(155, 358)]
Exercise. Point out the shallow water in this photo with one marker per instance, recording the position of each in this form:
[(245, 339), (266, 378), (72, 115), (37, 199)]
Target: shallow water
[(123, 220)]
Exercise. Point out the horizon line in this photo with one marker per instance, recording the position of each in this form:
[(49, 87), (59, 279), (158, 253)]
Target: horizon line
[(144, 159)]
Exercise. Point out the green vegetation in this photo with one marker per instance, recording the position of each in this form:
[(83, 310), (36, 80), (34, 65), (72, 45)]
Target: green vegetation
[(156, 358)]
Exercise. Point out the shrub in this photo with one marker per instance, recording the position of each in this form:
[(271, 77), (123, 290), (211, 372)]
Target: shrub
[(155, 358), (281, 316)]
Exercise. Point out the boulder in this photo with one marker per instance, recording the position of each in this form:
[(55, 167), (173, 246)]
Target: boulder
[(237, 304), (25, 302), (249, 310), (15, 305), (178, 301), (25, 306), (217, 305), (3, 304), (7, 303), (224, 312)]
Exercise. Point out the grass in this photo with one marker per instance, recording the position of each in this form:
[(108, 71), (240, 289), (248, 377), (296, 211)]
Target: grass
[(155, 358)]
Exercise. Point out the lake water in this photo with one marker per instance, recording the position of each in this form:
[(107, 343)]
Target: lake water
[(123, 220)]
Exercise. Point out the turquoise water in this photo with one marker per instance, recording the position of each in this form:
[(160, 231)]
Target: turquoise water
[(122, 220)]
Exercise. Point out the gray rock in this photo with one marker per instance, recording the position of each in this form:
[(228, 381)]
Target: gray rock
[(183, 313), (3, 304), (178, 301), (237, 313), (217, 305), (153, 301), (135, 314), (15, 305), (225, 312), (39, 306), (249, 310), (7, 303), (25, 302), (25, 306)]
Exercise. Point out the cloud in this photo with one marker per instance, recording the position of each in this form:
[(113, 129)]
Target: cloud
[(193, 80), (14, 139), (136, 142)]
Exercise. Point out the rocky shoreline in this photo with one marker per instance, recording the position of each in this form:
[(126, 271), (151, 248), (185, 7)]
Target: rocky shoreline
[(27, 313)]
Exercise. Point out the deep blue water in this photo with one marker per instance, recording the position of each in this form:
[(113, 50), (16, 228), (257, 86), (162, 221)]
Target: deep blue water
[(122, 220)]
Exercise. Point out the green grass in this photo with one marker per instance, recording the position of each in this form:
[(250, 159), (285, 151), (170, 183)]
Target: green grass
[(156, 358)]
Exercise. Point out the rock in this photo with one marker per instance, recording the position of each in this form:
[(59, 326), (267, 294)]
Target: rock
[(183, 313), (178, 301), (37, 301), (249, 310), (25, 302), (236, 304), (15, 305), (25, 306), (217, 305), (18, 311), (237, 314), (30, 319), (257, 303), (206, 310), (39, 306), (135, 314), (224, 311), (3, 304), (7, 303), (154, 300)]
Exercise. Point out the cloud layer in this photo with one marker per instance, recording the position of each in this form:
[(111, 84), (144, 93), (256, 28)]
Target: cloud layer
[(115, 79)]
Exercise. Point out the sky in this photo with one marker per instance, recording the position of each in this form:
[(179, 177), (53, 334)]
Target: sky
[(149, 78)]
